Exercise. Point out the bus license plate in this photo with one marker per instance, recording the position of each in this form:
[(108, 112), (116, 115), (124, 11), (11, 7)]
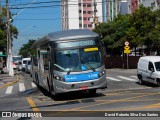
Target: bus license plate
[(83, 88)]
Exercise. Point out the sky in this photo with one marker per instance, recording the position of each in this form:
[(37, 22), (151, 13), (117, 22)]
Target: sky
[(34, 23)]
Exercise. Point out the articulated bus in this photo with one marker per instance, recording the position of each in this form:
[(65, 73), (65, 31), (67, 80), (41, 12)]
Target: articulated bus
[(70, 60)]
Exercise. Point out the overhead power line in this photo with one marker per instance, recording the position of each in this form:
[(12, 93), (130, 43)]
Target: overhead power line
[(55, 5)]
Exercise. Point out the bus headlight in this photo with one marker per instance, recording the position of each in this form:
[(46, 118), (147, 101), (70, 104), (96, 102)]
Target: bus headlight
[(58, 77), (102, 73)]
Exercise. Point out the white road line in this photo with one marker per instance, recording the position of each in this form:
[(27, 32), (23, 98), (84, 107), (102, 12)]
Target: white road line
[(126, 78), (134, 76), (9, 89), (33, 85), (114, 79), (21, 87)]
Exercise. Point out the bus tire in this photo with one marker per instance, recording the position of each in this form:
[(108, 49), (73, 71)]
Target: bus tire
[(92, 91), (37, 81)]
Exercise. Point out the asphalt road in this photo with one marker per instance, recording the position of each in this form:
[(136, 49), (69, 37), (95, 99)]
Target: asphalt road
[(122, 97)]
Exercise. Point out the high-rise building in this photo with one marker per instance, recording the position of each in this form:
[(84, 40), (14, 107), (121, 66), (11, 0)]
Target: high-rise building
[(115, 7), (133, 5), (80, 14), (154, 4)]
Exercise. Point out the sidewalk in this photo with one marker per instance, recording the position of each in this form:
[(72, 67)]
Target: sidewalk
[(5, 78)]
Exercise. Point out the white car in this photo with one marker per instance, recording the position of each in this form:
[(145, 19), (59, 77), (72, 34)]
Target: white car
[(149, 69), (24, 62)]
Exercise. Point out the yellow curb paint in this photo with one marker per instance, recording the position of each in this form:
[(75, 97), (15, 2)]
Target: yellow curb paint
[(10, 83), (32, 104)]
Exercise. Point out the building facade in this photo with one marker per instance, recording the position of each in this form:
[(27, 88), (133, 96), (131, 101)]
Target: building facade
[(115, 7), (80, 14), (133, 5), (154, 4)]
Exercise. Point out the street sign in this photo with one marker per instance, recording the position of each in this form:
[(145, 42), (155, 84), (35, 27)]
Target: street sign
[(126, 43), (126, 47), (127, 51)]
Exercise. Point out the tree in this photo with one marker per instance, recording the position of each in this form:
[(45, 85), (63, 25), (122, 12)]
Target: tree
[(144, 28), (140, 28), (3, 29), (25, 50), (114, 33)]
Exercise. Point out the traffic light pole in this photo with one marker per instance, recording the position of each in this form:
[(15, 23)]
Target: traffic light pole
[(9, 57)]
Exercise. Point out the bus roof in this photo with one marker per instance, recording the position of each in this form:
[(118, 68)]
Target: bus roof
[(67, 35), (71, 34)]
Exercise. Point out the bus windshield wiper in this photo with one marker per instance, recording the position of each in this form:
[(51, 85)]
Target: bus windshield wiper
[(68, 71), (88, 64), (60, 67)]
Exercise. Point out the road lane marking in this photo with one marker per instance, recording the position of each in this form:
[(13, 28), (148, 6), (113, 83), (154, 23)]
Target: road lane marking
[(126, 78), (33, 85), (151, 106), (10, 83), (21, 87), (134, 76), (107, 102), (9, 89), (32, 104), (114, 79)]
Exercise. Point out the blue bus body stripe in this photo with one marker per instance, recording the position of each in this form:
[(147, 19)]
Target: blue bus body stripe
[(81, 77)]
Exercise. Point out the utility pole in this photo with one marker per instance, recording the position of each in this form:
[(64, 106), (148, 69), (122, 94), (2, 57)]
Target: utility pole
[(9, 43)]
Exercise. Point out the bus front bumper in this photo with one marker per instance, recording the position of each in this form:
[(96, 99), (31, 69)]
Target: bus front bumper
[(62, 87)]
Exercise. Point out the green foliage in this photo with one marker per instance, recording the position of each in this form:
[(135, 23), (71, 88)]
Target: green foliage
[(140, 28), (3, 29), (113, 33), (25, 51)]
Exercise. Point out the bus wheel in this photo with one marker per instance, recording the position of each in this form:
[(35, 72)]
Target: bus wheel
[(92, 91), (37, 81)]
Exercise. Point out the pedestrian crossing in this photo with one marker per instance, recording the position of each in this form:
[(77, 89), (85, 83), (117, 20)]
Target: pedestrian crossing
[(21, 88), (122, 78)]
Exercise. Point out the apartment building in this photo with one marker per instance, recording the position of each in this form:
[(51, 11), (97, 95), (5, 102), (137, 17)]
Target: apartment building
[(115, 7), (133, 5), (154, 4), (80, 14)]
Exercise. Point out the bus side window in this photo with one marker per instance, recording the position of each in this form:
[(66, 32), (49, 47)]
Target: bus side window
[(46, 61), (34, 59)]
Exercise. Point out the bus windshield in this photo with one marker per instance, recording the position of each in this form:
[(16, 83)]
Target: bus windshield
[(78, 59)]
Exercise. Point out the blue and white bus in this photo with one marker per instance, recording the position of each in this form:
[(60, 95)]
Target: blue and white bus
[(70, 60)]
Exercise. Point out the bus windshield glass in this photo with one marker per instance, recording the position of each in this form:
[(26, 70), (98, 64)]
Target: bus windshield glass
[(80, 59)]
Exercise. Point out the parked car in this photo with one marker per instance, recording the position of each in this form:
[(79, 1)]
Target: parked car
[(15, 65), (16, 60), (28, 66), (149, 69), (19, 65), (24, 62)]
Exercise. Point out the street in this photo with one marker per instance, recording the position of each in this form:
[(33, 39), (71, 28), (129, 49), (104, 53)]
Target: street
[(123, 94)]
